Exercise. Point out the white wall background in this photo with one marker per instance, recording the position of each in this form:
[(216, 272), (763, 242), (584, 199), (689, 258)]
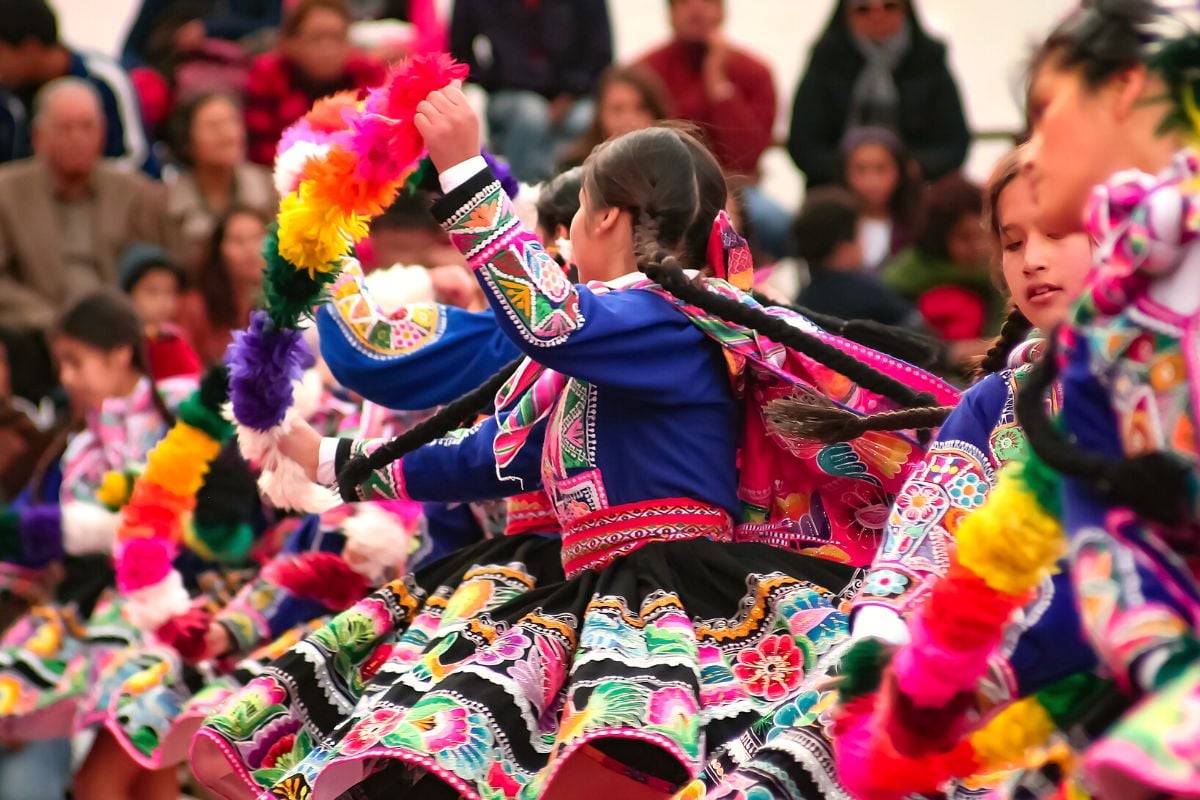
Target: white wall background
[(988, 40)]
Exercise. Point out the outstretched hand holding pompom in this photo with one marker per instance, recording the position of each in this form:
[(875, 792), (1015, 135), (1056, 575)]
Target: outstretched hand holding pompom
[(449, 126)]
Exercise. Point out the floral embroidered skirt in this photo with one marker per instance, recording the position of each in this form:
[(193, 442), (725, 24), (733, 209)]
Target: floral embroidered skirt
[(487, 680), (265, 728)]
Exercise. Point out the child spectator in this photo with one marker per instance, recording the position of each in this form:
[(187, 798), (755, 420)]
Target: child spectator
[(826, 237), (154, 284), (945, 274), (876, 167), (313, 59)]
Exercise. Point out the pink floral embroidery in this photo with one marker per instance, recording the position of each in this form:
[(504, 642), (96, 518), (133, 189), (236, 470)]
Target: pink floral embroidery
[(508, 647), (773, 669), (671, 706), (367, 733)]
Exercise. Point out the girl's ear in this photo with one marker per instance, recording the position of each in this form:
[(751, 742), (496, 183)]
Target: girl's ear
[(607, 220), (1127, 89), (121, 357)]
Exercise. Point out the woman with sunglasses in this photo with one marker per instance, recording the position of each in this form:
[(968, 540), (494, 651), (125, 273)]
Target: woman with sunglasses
[(876, 65)]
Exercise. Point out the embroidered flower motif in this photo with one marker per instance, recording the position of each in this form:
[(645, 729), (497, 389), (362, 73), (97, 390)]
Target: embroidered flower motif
[(968, 490), (449, 729), (1008, 443), (671, 706), (279, 756), (920, 502), (367, 733), (886, 582), (773, 669), (508, 647)]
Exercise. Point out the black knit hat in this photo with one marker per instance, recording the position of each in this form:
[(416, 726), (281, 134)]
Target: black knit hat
[(141, 257)]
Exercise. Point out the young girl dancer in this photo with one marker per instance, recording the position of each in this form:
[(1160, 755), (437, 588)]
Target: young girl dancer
[(647, 509), (1042, 274)]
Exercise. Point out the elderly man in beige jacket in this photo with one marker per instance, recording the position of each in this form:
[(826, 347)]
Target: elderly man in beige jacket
[(65, 217)]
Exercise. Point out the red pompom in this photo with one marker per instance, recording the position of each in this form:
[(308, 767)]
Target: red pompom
[(323, 577), (187, 633)]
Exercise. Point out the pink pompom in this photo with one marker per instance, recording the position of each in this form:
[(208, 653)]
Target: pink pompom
[(383, 148), (187, 633), (411, 83), (143, 562)]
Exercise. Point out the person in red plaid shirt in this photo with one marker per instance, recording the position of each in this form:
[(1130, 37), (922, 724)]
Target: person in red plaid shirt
[(314, 59)]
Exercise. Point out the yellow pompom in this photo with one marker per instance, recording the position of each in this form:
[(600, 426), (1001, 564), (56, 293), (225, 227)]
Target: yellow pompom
[(179, 462), (1012, 734), (313, 235), (1011, 543), (114, 490)]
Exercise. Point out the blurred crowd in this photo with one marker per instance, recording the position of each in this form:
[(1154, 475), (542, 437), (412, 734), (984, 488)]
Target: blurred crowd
[(150, 172)]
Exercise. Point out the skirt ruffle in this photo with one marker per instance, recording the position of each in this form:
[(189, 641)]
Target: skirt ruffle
[(646, 666), (261, 731)]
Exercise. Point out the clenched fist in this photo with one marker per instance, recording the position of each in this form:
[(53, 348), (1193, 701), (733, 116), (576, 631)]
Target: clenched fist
[(449, 126)]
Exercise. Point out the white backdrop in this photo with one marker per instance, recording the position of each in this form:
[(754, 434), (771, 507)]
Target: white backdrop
[(989, 42)]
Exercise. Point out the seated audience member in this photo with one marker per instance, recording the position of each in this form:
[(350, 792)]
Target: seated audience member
[(627, 99), (208, 138), (312, 60), (875, 65), (826, 237), (228, 284), (945, 274), (155, 284), (65, 217), (730, 94), (194, 22), (32, 56), (876, 167), (539, 63)]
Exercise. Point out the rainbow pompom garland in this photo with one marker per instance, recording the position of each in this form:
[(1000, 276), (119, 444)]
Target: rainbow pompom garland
[(336, 168)]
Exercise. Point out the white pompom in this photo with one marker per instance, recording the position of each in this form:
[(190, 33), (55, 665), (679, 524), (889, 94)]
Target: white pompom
[(289, 165), (285, 485), (151, 606), (88, 528), (376, 541)]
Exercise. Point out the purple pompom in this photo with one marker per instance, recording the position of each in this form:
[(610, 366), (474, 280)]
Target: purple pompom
[(263, 361), (41, 534), (503, 173)]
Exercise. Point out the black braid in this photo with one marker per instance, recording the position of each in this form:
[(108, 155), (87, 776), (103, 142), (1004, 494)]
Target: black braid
[(667, 272), (1154, 485), (1015, 329), (801, 418), (906, 345), (452, 416)]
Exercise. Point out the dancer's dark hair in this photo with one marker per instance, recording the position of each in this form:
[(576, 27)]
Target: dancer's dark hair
[(1101, 38), (1154, 485)]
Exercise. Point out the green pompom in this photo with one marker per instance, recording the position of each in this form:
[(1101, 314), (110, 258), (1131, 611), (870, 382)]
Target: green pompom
[(1068, 699), (289, 293), (1044, 483), (195, 413), (229, 542), (861, 669)]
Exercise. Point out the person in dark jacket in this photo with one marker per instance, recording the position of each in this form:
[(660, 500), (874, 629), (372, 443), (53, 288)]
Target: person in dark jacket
[(875, 65), (195, 21), (539, 61)]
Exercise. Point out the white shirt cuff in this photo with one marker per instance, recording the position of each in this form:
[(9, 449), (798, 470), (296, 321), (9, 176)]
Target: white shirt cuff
[(461, 172), (327, 462), (879, 623)]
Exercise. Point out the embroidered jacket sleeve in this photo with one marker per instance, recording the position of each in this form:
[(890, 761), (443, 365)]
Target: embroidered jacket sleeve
[(460, 468), (955, 478), (633, 340), (262, 611), (419, 357)]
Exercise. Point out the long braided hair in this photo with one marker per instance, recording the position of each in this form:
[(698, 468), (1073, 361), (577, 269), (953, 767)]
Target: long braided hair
[(673, 210)]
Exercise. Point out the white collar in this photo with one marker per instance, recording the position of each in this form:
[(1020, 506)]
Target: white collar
[(630, 278)]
